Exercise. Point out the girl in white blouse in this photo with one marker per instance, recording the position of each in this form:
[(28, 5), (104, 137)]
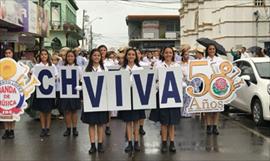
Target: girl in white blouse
[(169, 117), (44, 105), (212, 118), (132, 117)]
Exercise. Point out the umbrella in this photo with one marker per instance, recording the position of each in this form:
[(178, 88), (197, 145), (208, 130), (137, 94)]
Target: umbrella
[(206, 42), (255, 49)]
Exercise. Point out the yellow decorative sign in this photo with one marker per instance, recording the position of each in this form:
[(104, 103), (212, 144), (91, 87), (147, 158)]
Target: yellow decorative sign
[(15, 88), (213, 85)]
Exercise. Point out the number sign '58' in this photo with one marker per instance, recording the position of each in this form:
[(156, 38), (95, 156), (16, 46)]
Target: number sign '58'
[(213, 84)]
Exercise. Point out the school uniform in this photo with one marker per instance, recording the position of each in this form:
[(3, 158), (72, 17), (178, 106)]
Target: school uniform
[(169, 116), (186, 98), (71, 104), (95, 117), (44, 105), (57, 88), (132, 115)]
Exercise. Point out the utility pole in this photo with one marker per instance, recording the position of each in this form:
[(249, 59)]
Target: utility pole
[(84, 11), (91, 38)]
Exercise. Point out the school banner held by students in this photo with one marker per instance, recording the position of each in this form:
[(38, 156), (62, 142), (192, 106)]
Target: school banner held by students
[(47, 78), (213, 85), (118, 90), (170, 87), (69, 80), (94, 92), (144, 89), (15, 88)]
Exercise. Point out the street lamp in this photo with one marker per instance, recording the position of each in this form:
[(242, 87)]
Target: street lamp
[(91, 32)]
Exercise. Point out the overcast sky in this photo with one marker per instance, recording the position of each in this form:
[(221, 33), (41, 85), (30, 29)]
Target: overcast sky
[(112, 28)]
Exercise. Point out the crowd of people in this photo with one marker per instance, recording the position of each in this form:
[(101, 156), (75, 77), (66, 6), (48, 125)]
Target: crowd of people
[(130, 59)]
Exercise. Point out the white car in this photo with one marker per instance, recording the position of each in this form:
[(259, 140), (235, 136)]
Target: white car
[(254, 96)]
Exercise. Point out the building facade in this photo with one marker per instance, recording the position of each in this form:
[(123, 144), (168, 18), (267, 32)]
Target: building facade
[(234, 23), (22, 24), (63, 30), (153, 31)]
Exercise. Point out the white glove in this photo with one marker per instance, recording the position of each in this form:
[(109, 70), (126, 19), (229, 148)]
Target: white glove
[(78, 88), (184, 84)]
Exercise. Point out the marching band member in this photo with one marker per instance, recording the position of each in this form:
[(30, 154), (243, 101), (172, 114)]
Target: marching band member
[(9, 126), (132, 117), (168, 118), (94, 119)]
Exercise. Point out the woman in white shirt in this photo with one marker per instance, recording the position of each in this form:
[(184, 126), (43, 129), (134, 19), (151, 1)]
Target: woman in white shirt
[(212, 118), (71, 105), (169, 117), (94, 119), (132, 117), (44, 105)]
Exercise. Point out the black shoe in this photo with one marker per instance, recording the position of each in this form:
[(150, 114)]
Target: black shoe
[(141, 131), (209, 130), (43, 133), (137, 146), (47, 132), (92, 150), (172, 147), (6, 135), (108, 131), (129, 148), (66, 133), (215, 130), (75, 132), (11, 134), (164, 147), (100, 148)]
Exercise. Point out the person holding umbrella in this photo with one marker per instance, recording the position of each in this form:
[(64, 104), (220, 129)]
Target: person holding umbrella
[(212, 119), (212, 48)]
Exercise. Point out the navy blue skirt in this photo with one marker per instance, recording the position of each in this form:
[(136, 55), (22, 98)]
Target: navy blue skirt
[(70, 104), (169, 116), (93, 118), (131, 115), (43, 104)]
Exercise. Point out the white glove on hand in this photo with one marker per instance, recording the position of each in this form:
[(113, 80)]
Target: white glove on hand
[(184, 84), (78, 88)]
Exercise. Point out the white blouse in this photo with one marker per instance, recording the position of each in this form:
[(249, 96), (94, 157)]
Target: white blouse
[(215, 62), (130, 69)]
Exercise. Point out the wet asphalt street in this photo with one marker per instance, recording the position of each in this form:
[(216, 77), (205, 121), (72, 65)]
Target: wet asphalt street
[(239, 140)]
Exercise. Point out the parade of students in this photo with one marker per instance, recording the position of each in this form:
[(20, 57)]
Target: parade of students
[(169, 117), (9, 126), (132, 117), (44, 105), (95, 120), (128, 59)]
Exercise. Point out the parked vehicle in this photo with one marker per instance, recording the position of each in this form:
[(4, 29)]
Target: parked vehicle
[(254, 96)]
